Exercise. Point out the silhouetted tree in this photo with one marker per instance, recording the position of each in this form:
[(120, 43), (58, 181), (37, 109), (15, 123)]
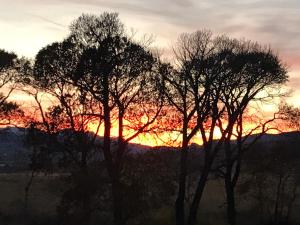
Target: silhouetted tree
[(188, 91), (99, 67), (220, 77), (9, 68), (290, 116), (121, 75), (67, 140), (253, 74)]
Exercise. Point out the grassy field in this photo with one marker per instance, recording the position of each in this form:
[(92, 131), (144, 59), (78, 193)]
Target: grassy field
[(45, 195), (46, 191), (42, 201)]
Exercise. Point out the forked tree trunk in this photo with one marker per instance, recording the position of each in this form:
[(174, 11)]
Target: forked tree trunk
[(228, 180), (180, 200), (111, 167)]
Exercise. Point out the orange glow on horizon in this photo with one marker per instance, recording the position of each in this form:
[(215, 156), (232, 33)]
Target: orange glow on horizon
[(172, 138), (163, 138), (146, 138)]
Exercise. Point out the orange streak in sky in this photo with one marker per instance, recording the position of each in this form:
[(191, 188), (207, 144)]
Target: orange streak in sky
[(167, 138), (156, 139)]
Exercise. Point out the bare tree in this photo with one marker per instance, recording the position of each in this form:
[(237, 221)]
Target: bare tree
[(222, 76), (193, 90), (255, 74), (290, 116)]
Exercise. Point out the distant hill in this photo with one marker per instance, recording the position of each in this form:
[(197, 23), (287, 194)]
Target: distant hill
[(277, 138), (13, 151), (286, 143)]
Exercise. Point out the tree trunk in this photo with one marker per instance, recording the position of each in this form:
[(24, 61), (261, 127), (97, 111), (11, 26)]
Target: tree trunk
[(28, 185), (229, 181), (117, 190), (112, 168), (86, 202), (198, 193), (180, 204), (277, 201), (230, 199)]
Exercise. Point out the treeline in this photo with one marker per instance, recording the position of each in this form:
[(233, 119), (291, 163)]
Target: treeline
[(102, 75)]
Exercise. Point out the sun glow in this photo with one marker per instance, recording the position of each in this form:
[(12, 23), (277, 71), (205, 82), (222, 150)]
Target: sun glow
[(168, 138), (151, 139), (164, 136)]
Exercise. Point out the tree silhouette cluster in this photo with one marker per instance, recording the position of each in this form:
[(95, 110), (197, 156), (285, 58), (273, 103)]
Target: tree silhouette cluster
[(99, 74)]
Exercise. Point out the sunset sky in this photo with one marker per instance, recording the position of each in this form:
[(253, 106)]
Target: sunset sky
[(27, 26)]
